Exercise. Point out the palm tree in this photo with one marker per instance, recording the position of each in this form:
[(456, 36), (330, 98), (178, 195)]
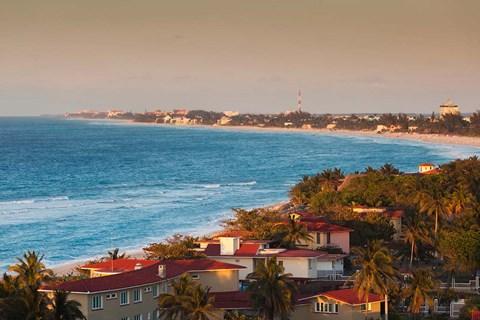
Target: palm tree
[(190, 300), (376, 271), (65, 309), (433, 202), (115, 254), (12, 305), (292, 233), (417, 290), (389, 170), (416, 231), (199, 305), (31, 273), (272, 292), (462, 199)]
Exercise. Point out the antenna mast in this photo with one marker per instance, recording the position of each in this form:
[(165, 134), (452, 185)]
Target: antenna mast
[(299, 101)]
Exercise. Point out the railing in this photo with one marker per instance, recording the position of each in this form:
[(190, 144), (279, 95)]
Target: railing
[(471, 286)]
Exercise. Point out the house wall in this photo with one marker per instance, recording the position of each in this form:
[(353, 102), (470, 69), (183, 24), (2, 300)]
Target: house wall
[(299, 268), (340, 239), (345, 311), (246, 262), (219, 281), (112, 308)]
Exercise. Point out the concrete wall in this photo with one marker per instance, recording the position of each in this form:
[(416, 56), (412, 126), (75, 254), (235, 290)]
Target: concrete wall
[(298, 267), (341, 239)]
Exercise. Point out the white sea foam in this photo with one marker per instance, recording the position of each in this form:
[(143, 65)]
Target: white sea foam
[(211, 186), (250, 183)]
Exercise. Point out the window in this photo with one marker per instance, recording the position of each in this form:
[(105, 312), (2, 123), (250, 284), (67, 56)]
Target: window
[(326, 307), (155, 291), (195, 276), (137, 295), (318, 238), (363, 307), (97, 302), (137, 317), (111, 296), (148, 289), (328, 238), (125, 318), (124, 298), (310, 263), (280, 263)]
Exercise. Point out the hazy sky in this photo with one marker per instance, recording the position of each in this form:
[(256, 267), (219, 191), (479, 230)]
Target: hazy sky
[(249, 56)]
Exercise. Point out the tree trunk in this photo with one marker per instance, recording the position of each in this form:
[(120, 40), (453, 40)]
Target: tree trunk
[(386, 307), (411, 254)]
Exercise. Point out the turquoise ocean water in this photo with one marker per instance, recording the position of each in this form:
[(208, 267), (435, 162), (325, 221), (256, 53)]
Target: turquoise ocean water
[(75, 189)]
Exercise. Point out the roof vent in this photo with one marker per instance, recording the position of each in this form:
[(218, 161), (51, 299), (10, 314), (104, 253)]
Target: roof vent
[(138, 266), (162, 271)]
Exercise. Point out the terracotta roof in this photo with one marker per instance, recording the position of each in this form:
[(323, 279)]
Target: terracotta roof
[(426, 164), (394, 214), (120, 264), (319, 226), (212, 250), (300, 253), (248, 249), (144, 276), (475, 315), (433, 171), (348, 296), (232, 300)]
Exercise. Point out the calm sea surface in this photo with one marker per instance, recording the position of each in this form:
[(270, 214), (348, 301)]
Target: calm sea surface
[(75, 189)]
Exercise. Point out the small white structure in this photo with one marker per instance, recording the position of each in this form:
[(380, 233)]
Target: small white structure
[(425, 167)]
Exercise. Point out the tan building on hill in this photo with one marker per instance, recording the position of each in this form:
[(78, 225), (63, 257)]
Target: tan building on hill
[(449, 108), (128, 289)]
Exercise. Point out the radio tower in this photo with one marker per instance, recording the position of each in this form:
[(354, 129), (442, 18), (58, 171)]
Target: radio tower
[(299, 101)]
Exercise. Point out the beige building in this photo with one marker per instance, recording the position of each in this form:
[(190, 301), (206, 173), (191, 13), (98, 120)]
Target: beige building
[(425, 167), (449, 108), (128, 289), (339, 304), (394, 215)]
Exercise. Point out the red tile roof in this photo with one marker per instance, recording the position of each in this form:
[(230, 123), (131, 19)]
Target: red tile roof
[(475, 315), (120, 264), (248, 249), (319, 226), (426, 164), (394, 214), (232, 300), (212, 250), (144, 276), (349, 296)]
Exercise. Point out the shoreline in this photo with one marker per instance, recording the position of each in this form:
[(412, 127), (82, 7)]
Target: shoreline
[(138, 253), (418, 137)]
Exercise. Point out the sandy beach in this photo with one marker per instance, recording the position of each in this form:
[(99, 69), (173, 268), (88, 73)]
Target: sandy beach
[(428, 138)]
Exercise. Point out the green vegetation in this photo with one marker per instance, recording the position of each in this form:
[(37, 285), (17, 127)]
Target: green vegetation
[(417, 291), (261, 223), (20, 297), (376, 270), (176, 247), (271, 291), (189, 300)]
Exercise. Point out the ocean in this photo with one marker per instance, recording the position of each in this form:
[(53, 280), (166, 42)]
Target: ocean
[(75, 189)]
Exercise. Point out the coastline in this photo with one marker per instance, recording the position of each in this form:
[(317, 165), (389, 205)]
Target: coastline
[(419, 137), (138, 253)]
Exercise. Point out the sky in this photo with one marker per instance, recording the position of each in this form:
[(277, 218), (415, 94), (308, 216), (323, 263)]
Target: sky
[(347, 56)]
